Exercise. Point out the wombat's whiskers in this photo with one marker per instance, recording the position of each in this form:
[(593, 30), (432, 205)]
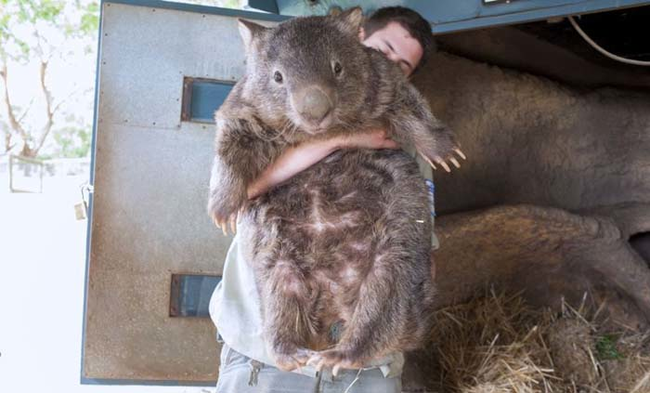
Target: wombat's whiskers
[(269, 135), (288, 128), (348, 124), (292, 128), (297, 327)]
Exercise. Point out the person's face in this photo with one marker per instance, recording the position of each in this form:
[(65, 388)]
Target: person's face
[(397, 44)]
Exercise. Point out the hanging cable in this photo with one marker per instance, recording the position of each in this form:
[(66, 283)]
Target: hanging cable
[(603, 51)]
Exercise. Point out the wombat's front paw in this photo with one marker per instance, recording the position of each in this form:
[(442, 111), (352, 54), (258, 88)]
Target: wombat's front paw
[(336, 360), (293, 361), (441, 159), (224, 214)]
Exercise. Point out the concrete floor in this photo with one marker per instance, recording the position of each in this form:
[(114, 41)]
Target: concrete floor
[(42, 265)]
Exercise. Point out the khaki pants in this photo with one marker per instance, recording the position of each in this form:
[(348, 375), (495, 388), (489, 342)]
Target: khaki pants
[(240, 374)]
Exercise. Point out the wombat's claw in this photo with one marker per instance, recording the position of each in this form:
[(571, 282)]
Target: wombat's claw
[(335, 369), (220, 225), (288, 363), (317, 362), (313, 360), (223, 224), (428, 161), (303, 355), (294, 361), (460, 153), (233, 223), (333, 359), (442, 163)]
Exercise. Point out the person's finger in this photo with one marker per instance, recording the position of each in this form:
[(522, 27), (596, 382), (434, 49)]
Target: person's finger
[(390, 144), (460, 153)]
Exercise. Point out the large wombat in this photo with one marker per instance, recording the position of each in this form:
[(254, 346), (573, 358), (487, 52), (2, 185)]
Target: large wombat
[(345, 243)]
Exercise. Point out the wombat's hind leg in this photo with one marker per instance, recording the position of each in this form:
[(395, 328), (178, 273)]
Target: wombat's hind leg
[(335, 359), (287, 313), (374, 325), (295, 361), (385, 318)]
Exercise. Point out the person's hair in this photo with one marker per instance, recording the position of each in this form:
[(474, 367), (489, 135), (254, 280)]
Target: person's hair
[(411, 21)]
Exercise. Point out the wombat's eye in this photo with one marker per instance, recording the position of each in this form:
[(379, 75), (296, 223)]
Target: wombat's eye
[(337, 68), (277, 77)]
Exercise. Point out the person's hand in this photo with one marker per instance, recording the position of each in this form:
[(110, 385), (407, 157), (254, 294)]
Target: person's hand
[(370, 139)]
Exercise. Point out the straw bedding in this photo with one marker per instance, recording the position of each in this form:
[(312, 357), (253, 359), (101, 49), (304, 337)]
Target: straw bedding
[(498, 343)]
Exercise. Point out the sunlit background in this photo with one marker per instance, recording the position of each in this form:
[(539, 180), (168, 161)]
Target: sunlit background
[(48, 51)]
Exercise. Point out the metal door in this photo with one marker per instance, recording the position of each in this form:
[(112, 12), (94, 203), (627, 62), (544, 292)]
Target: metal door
[(153, 253)]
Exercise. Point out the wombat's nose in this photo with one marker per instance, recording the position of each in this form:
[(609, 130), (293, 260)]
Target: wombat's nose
[(314, 104)]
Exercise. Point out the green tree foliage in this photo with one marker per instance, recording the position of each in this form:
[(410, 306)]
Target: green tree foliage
[(39, 32), (71, 142)]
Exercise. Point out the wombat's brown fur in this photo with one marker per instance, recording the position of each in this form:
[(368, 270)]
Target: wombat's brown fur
[(347, 241)]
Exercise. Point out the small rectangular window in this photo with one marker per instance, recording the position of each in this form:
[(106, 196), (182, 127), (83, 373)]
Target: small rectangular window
[(190, 294), (202, 97)]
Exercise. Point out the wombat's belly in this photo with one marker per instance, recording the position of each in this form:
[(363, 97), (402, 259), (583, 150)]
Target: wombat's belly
[(324, 230)]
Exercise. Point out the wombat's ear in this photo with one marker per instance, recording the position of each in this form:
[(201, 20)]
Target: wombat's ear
[(249, 32), (350, 20)]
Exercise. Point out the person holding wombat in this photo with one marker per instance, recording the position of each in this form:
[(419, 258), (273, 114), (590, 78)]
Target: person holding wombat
[(246, 364)]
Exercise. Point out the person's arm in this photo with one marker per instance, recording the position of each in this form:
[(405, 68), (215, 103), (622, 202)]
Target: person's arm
[(301, 157)]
